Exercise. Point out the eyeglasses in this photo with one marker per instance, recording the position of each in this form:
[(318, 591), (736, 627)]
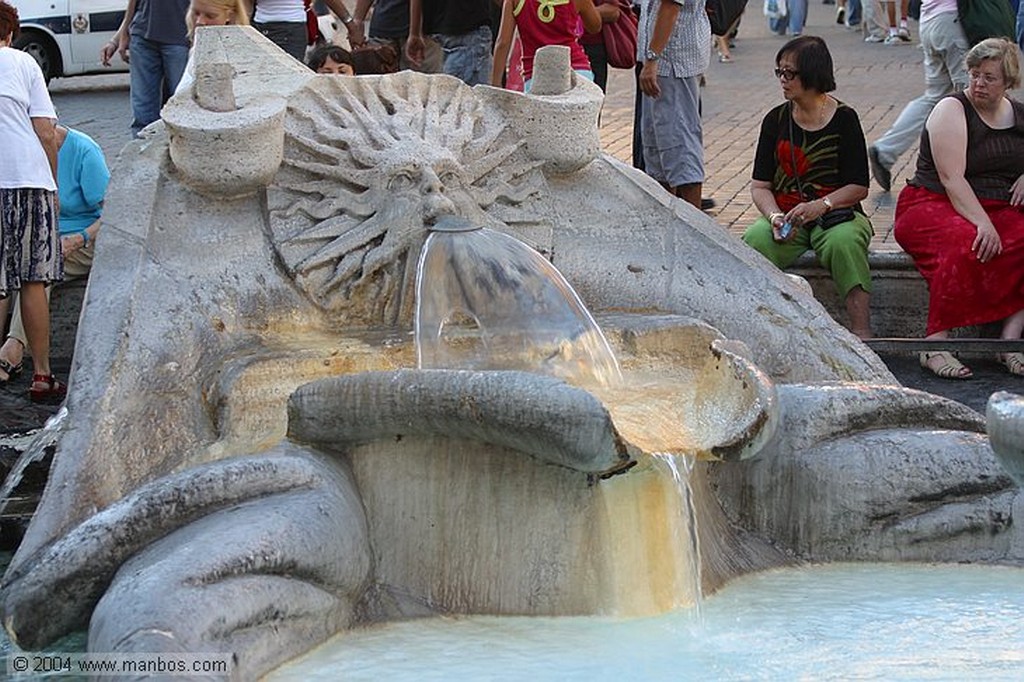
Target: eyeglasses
[(786, 74), (986, 78)]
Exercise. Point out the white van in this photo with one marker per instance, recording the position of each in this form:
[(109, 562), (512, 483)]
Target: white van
[(65, 36)]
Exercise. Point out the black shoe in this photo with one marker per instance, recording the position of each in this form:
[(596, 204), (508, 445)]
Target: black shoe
[(883, 176), (707, 203), (841, 15)]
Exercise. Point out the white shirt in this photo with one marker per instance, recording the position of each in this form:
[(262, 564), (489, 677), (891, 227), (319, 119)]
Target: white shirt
[(23, 96), (279, 10), (933, 8)]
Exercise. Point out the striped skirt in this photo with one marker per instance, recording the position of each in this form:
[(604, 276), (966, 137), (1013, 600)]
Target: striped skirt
[(29, 239)]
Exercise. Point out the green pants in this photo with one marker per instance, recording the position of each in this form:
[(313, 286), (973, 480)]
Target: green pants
[(842, 249)]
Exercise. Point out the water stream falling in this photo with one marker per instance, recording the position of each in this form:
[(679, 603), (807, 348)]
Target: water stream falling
[(485, 300), (681, 467), (31, 454)]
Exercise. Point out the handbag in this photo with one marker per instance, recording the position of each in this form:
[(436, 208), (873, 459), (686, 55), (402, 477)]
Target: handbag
[(620, 37), (834, 217), (982, 19), (313, 34), (775, 9)]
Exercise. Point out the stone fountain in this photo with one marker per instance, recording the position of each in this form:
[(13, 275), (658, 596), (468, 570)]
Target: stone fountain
[(252, 459)]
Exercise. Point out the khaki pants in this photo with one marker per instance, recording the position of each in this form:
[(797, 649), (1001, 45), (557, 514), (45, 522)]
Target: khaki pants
[(76, 265)]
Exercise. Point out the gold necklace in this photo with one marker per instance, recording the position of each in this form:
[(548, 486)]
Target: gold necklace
[(809, 117)]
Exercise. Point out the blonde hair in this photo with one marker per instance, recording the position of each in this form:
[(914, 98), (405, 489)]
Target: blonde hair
[(237, 6), (997, 48)]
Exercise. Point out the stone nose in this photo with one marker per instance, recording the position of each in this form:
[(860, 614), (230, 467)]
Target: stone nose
[(435, 202), (436, 205)]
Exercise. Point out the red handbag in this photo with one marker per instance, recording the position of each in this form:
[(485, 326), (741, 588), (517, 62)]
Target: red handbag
[(313, 35), (620, 37)]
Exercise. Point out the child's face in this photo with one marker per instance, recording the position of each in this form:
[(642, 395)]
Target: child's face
[(206, 13), (331, 66)]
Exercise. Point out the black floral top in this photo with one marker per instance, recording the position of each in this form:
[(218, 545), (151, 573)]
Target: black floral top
[(823, 159)]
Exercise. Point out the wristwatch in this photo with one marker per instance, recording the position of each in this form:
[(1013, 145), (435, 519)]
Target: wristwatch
[(651, 55), (828, 203)]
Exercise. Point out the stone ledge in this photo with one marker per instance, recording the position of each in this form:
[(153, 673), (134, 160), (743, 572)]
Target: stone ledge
[(899, 301)]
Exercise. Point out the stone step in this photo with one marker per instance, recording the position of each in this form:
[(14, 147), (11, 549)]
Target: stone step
[(899, 301)]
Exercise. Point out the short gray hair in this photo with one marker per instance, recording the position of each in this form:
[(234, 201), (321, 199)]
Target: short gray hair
[(997, 48)]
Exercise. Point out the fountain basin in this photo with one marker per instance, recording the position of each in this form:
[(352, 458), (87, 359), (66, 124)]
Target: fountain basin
[(852, 621)]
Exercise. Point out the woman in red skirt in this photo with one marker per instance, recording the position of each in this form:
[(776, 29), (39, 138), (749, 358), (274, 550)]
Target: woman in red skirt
[(962, 216)]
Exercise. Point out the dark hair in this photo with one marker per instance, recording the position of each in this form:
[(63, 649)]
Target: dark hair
[(813, 61), (9, 23), (320, 55)]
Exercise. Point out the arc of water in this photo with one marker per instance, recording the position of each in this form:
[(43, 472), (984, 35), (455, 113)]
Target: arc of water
[(485, 300)]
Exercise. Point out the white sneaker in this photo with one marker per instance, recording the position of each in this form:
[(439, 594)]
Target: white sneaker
[(893, 39), (874, 38), (904, 34)]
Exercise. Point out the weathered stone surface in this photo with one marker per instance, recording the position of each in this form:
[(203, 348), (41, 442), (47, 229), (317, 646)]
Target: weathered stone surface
[(80, 566), (533, 414), (855, 473), (1005, 415)]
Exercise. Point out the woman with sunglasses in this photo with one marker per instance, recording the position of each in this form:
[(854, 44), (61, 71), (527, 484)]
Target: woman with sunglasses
[(810, 174)]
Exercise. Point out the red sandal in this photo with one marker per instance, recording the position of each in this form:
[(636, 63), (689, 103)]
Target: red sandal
[(51, 391)]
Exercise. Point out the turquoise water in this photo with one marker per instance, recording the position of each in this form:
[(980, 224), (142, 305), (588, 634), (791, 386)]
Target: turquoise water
[(840, 621)]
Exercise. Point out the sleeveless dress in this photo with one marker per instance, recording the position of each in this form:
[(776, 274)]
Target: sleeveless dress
[(962, 290)]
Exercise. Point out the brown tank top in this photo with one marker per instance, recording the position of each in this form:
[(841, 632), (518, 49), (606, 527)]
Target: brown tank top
[(995, 157)]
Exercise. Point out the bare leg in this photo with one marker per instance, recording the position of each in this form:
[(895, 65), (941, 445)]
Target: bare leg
[(35, 313), (4, 305), (858, 307), (1012, 328), (724, 55)]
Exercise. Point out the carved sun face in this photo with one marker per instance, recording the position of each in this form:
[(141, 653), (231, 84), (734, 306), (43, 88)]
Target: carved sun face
[(369, 164)]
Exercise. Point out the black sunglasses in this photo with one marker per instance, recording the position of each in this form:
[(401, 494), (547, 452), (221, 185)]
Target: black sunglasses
[(786, 74)]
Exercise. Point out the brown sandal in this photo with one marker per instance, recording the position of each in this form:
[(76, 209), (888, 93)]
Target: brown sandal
[(10, 370), (46, 389), (1014, 362), (951, 368)]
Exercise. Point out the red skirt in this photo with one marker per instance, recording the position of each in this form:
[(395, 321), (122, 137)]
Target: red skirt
[(962, 291)]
